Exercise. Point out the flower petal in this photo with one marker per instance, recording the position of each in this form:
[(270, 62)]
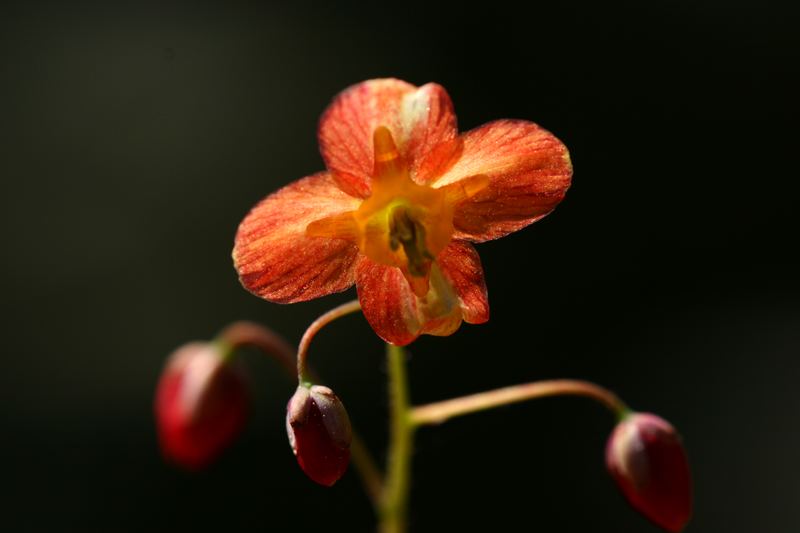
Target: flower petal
[(274, 257), (457, 291), (529, 172), (461, 265), (421, 120), (387, 302)]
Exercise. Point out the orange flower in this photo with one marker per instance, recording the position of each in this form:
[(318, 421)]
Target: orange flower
[(395, 213)]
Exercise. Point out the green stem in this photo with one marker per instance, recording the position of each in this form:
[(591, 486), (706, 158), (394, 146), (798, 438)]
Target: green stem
[(398, 474)]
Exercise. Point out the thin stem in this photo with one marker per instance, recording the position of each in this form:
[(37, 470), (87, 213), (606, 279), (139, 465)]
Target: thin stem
[(367, 470), (398, 475), (243, 333), (436, 413), (313, 329), (240, 334)]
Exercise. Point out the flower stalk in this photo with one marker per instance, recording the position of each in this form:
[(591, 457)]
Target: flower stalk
[(390, 495), (243, 333), (249, 334), (438, 412), (394, 504), (313, 329), (367, 470)]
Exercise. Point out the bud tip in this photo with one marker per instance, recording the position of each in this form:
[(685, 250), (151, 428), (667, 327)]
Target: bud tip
[(200, 406), (646, 458), (319, 433)]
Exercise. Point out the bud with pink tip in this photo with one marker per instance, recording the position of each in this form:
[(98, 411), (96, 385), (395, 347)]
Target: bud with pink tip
[(201, 405), (319, 433), (646, 458)]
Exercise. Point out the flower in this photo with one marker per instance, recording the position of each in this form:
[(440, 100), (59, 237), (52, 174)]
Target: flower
[(646, 458), (396, 212), (319, 433), (201, 405)]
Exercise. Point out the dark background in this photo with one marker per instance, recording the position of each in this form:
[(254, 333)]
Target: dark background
[(133, 140)]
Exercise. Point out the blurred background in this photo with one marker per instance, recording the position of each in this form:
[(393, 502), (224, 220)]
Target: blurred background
[(134, 138)]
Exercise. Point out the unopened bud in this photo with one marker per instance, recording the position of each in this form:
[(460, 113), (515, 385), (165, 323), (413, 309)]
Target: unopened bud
[(319, 433), (201, 405), (646, 458)]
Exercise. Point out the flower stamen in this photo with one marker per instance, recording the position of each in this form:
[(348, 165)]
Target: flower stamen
[(402, 223), (407, 232)]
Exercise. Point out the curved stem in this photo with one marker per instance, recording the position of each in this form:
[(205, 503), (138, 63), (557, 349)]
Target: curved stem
[(313, 329), (243, 333), (398, 474), (436, 413)]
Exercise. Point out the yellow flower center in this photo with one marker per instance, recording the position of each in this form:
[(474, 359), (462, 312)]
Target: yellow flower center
[(402, 223)]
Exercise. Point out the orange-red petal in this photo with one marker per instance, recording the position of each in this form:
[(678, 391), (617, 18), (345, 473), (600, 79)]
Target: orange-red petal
[(275, 258), (421, 121), (387, 302), (457, 292), (461, 265), (529, 172)]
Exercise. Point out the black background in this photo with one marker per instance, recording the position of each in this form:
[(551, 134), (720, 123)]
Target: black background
[(133, 139)]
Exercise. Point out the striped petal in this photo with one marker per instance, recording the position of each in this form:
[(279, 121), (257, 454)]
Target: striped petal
[(529, 172), (421, 121), (461, 265), (457, 292), (274, 257)]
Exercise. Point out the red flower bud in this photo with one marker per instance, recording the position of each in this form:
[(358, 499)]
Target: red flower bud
[(200, 406), (319, 433), (647, 460)]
